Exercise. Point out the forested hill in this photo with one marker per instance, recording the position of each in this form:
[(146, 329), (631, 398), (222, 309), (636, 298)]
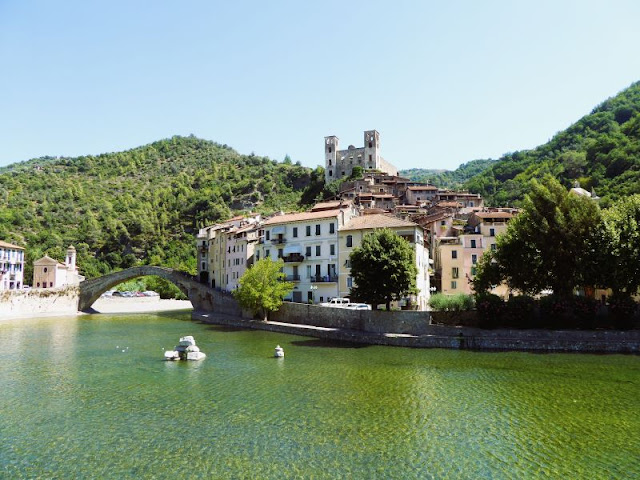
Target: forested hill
[(600, 151), (143, 205), (454, 179)]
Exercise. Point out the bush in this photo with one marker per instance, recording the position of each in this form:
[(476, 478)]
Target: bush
[(621, 311), (568, 312), (520, 312), (491, 310), (451, 303)]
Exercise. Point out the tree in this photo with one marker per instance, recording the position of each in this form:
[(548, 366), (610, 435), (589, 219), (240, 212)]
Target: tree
[(619, 252), (383, 268), (548, 245), (262, 287)]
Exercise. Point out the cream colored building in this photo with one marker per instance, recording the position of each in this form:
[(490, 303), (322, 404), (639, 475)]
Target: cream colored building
[(351, 235), (49, 273), (11, 266)]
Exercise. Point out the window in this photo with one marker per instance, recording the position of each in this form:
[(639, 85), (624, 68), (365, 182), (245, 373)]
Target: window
[(295, 232), (267, 253), (349, 282), (473, 270), (332, 249), (332, 228), (317, 229), (308, 251), (308, 271), (443, 223), (45, 269), (317, 250), (204, 266), (347, 263), (308, 231), (492, 232), (474, 259), (349, 241), (268, 234), (454, 285), (331, 175), (279, 253), (369, 157), (493, 247), (454, 254), (454, 272), (473, 244)]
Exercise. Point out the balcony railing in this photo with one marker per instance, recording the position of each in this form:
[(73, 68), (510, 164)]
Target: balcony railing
[(324, 278), (292, 278), (276, 241), (293, 258)]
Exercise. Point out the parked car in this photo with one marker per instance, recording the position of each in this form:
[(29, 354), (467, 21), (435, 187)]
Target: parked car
[(336, 302), (358, 306), (150, 293)]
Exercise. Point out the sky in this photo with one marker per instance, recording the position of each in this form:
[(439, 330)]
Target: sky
[(443, 82)]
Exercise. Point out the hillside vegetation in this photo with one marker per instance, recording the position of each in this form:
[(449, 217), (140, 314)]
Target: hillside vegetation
[(600, 151), (143, 205)]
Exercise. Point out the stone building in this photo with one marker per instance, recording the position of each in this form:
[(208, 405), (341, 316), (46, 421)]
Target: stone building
[(11, 266), (339, 163)]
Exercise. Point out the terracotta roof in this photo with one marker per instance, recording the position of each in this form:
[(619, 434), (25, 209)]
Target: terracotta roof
[(327, 205), (449, 204), (9, 245), (47, 260), (493, 214), (377, 220), (424, 187), (300, 217)]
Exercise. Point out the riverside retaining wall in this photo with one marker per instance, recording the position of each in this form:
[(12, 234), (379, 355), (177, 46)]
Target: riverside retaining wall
[(16, 303)]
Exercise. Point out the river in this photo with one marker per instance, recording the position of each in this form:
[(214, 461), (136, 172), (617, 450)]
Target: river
[(91, 397)]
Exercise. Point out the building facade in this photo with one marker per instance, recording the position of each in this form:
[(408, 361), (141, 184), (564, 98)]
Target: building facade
[(339, 163), (49, 273), (351, 236), (11, 266), (308, 244)]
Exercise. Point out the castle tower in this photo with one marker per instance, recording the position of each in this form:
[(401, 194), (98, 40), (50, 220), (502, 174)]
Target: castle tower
[(330, 158), (371, 149), (70, 261)]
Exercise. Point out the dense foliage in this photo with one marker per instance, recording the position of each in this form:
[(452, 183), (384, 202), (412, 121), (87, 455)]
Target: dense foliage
[(383, 268), (262, 287), (141, 206), (600, 151), (452, 179), (451, 303)]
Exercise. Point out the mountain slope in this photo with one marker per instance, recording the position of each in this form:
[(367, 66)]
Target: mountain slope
[(453, 179), (142, 205), (600, 151)]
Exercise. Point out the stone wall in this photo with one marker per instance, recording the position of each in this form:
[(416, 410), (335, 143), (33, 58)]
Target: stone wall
[(16, 303)]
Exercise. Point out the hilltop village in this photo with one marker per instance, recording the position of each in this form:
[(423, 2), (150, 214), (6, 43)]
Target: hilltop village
[(448, 230)]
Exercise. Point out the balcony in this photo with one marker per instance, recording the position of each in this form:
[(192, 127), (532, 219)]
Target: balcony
[(292, 278), (279, 240), (293, 258), (323, 278)]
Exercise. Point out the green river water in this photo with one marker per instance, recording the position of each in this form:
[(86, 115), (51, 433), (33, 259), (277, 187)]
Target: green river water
[(91, 397)]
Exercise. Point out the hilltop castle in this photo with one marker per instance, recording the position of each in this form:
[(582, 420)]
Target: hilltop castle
[(339, 163)]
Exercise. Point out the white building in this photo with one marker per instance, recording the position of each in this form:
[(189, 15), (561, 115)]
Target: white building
[(11, 266), (308, 244), (49, 273)]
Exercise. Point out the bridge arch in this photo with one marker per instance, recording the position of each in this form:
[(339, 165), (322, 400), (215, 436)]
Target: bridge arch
[(201, 296)]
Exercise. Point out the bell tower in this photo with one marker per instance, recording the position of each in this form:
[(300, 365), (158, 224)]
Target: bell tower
[(372, 150), (330, 158), (71, 258)]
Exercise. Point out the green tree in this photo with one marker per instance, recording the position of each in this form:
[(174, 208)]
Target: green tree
[(262, 287), (383, 268), (619, 247), (548, 245)]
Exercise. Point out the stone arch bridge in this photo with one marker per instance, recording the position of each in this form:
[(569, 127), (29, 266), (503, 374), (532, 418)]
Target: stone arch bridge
[(201, 296)]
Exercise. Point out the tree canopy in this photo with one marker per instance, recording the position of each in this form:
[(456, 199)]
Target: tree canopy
[(262, 287), (383, 268), (549, 244)]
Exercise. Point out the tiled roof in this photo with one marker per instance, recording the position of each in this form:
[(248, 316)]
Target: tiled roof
[(449, 204), (493, 214), (300, 217), (327, 205), (424, 187), (9, 245), (377, 220)]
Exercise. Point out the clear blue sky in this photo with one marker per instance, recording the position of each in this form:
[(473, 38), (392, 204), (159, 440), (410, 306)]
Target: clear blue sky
[(443, 82)]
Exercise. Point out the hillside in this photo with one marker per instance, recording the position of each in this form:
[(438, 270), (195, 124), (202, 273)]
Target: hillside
[(142, 205), (453, 179), (600, 151)]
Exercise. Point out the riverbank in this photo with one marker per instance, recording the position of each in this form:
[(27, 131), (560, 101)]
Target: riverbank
[(461, 338), (139, 305)]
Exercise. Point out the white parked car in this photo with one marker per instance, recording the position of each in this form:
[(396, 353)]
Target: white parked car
[(358, 306), (336, 302)]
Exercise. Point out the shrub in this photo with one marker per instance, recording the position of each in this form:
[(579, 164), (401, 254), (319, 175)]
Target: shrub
[(520, 312), (491, 310), (451, 303), (568, 312), (621, 311)]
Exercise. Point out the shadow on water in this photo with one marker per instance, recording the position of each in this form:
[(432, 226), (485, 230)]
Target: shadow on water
[(325, 343), (224, 328)]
